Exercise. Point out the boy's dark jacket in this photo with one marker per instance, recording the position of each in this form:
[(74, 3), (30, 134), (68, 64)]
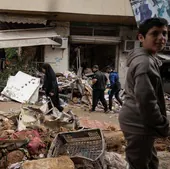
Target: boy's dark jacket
[(144, 109)]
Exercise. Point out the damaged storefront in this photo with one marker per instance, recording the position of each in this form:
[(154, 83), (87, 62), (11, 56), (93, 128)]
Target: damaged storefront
[(98, 44), (29, 45), (25, 46), (29, 42)]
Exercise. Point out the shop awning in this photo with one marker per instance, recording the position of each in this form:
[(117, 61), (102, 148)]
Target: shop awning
[(11, 18), (94, 39), (27, 42), (28, 37)]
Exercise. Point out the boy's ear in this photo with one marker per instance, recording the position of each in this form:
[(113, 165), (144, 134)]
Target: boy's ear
[(141, 38)]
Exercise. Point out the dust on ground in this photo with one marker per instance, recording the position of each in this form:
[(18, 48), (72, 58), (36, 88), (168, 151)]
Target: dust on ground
[(99, 115), (80, 111)]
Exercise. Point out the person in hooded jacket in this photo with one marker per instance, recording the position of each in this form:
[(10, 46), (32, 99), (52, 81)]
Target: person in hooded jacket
[(143, 115), (51, 86), (115, 86)]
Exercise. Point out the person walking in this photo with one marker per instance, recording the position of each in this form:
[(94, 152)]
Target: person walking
[(115, 87), (98, 84), (143, 115), (51, 86)]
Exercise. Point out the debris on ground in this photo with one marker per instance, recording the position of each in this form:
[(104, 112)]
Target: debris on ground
[(4, 99), (31, 135), (62, 162), (115, 141), (162, 144), (167, 100), (115, 161), (22, 88), (86, 123), (85, 147)]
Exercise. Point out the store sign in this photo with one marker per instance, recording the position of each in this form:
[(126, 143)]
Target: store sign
[(145, 9)]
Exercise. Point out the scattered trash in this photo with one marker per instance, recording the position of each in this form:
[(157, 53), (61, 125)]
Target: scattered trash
[(22, 88), (61, 162), (15, 157), (15, 166), (162, 144), (4, 99), (53, 139), (35, 144), (167, 100), (115, 141), (83, 147), (115, 161), (27, 118)]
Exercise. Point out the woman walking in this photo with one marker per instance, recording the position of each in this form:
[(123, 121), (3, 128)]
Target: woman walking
[(51, 86)]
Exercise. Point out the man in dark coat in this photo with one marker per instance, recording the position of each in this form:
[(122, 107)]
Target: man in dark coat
[(99, 84)]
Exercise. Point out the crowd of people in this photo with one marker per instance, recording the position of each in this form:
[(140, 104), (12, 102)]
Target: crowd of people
[(99, 84)]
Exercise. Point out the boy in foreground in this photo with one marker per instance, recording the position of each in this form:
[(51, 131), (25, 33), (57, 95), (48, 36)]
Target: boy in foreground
[(143, 115)]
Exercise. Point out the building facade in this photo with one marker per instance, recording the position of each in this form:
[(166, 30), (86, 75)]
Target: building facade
[(98, 28)]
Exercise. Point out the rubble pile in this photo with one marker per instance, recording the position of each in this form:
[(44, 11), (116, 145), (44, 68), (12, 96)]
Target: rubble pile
[(27, 134), (27, 137), (62, 162), (114, 160), (162, 144), (78, 91), (167, 100)]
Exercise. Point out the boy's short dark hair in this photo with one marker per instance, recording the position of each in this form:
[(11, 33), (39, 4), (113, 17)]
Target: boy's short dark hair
[(150, 23)]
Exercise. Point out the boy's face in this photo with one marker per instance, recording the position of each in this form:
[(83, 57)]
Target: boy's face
[(155, 39)]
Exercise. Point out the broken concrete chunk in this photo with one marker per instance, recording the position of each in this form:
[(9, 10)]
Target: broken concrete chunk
[(62, 162), (114, 140), (14, 157), (11, 158), (115, 161)]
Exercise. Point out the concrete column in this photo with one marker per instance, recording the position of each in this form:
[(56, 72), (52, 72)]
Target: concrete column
[(57, 57)]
